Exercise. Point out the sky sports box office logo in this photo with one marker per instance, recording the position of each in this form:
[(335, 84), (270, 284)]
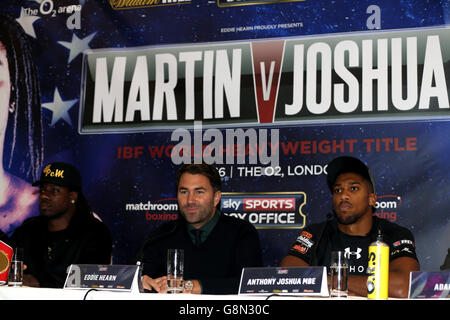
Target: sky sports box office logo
[(266, 210)]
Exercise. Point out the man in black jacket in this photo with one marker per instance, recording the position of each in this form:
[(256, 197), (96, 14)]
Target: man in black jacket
[(216, 247), (65, 232)]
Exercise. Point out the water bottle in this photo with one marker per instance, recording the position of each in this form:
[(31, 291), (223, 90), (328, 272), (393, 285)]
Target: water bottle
[(378, 269)]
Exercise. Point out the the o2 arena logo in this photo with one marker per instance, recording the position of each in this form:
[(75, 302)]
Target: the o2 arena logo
[(267, 210)]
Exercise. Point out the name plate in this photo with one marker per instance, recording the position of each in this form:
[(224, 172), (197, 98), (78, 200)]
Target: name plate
[(102, 277), (302, 281), (429, 285)]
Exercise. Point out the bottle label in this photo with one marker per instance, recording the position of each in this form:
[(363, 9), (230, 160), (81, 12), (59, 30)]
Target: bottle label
[(378, 271)]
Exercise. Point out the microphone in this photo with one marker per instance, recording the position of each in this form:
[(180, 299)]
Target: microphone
[(314, 258)]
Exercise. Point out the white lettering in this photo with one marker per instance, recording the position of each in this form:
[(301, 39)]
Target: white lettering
[(109, 100), (433, 67), (165, 90), (228, 82), (139, 88)]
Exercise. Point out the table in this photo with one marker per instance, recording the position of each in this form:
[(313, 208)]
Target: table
[(178, 306), (174, 304), (30, 293)]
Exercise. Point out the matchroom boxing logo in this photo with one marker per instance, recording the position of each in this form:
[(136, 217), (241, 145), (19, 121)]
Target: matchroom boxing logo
[(267, 210), (160, 210), (387, 206)]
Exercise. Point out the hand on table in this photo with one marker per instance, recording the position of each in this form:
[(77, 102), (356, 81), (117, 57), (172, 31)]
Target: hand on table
[(158, 284)]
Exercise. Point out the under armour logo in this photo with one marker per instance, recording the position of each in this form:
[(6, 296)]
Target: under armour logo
[(348, 253)]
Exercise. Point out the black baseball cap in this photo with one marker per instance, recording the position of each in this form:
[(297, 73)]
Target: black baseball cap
[(61, 174), (347, 164)]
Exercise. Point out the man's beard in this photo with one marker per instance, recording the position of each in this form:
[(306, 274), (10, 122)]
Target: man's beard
[(55, 215), (202, 214), (52, 216), (347, 219)]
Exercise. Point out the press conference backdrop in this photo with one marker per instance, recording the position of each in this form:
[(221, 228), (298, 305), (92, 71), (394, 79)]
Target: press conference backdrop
[(306, 80)]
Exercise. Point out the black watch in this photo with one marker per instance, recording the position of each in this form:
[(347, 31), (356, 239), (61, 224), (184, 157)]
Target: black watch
[(188, 286)]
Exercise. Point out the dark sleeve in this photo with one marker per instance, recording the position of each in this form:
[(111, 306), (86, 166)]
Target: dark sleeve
[(153, 253), (306, 242), (95, 248), (247, 254), (152, 261), (49, 280), (33, 256), (402, 244)]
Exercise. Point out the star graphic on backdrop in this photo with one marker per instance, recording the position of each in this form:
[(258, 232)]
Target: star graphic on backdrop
[(26, 21), (60, 108), (77, 45)]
